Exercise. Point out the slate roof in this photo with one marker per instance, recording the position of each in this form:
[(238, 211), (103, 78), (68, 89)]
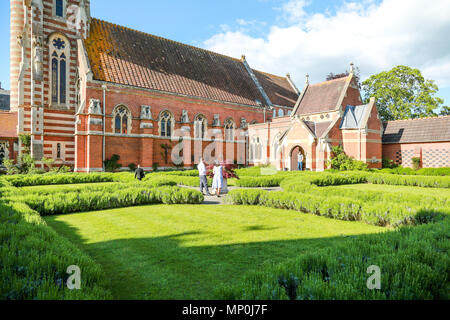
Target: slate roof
[(125, 56), (4, 99), (322, 97), (278, 89), (417, 130), (318, 128), (354, 116), (8, 124)]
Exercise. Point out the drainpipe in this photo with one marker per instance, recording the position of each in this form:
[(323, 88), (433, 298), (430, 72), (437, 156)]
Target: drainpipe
[(104, 127)]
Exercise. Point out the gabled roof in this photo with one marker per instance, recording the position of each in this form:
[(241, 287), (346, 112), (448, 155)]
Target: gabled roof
[(354, 116), (417, 130), (322, 97), (125, 56), (278, 89), (8, 124)]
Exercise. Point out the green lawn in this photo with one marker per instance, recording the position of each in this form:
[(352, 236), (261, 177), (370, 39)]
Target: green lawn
[(436, 192), (185, 252)]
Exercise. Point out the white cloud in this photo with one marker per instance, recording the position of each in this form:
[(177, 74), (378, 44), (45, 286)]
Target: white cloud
[(375, 37)]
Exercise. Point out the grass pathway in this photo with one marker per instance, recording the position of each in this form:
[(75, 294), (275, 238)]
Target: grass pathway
[(188, 251)]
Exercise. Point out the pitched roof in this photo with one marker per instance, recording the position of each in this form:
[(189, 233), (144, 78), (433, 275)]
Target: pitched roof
[(124, 56), (417, 130), (278, 89), (322, 97), (318, 128), (8, 124), (353, 116)]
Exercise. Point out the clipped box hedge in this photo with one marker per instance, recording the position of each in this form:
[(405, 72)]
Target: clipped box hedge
[(259, 182), (84, 201), (34, 260), (413, 261), (375, 213)]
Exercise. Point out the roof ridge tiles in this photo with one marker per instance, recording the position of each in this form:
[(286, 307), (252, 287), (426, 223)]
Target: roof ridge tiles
[(418, 119)]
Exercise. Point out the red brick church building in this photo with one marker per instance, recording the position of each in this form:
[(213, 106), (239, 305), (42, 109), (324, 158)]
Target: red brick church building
[(86, 89)]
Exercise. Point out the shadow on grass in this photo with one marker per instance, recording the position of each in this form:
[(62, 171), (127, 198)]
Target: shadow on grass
[(166, 268)]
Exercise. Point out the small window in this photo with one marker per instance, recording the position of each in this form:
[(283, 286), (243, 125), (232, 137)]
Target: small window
[(122, 120), (165, 124), (229, 130), (274, 113), (58, 151), (281, 113), (200, 127), (59, 8)]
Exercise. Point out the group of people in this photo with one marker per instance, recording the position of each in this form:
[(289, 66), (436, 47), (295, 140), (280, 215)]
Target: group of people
[(217, 184)]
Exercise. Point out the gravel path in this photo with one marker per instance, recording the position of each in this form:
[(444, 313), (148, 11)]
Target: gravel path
[(213, 200)]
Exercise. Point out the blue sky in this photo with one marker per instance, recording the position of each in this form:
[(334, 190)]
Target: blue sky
[(295, 36)]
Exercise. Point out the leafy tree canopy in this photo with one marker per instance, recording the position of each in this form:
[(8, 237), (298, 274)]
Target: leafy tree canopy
[(403, 93)]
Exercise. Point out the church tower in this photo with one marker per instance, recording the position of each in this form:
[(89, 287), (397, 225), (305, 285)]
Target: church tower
[(43, 72)]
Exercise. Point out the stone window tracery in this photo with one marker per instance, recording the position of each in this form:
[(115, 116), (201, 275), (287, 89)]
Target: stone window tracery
[(166, 124), (230, 126), (59, 57), (122, 120), (200, 127)]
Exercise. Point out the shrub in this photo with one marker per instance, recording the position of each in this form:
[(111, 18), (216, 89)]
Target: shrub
[(112, 165), (132, 167), (34, 260), (11, 168), (341, 161), (155, 166), (338, 207), (416, 163), (414, 264), (53, 179), (84, 201), (260, 182)]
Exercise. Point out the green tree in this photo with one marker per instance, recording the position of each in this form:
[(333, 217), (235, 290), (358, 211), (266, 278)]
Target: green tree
[(402, 93)]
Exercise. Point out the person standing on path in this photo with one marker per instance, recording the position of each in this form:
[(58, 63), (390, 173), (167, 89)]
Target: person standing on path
[(300, 161), (218, 178), (139, 174), (203, 179)]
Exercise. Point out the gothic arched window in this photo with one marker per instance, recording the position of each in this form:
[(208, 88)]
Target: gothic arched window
[(200, 127), (59, 57), (59, 8), (229, 129), (121, 120), (281, 113), (166, 124)]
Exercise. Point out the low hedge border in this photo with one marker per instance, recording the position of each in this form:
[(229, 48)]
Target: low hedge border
[(340, 271), (34, 260), (85, 201), (375, 213)]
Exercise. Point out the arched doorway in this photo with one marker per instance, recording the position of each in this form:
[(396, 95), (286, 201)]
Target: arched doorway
[(294, 158)]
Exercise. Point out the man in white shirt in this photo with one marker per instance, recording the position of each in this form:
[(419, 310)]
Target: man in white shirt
[(203, 180), (300, 161)]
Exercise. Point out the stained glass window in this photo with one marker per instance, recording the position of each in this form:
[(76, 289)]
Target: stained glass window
[(55, 80), (122, 120), (59, 9), (59, 51), (62, 81), (165, 124)]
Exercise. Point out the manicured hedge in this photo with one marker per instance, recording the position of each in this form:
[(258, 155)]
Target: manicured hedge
[(34, 260), (414, 264), (259, 182), (420, 172), (414, 181), (293, 185), (53, 179), (84, 201), (375, 213)]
